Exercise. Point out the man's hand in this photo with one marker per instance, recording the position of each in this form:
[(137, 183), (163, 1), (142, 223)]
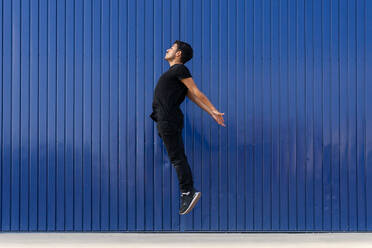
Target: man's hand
[(218, 117)]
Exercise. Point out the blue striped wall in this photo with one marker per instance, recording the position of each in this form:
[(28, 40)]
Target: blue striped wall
[(79, 151)]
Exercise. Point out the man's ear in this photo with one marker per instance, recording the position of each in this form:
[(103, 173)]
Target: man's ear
[(179, 52)]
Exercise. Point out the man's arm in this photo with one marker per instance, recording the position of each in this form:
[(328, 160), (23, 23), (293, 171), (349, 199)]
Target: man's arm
[(202, 101), (198, 102), (198, 95)]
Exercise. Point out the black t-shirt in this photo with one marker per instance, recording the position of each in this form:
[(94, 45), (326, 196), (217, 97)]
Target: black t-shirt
[(169, 93)]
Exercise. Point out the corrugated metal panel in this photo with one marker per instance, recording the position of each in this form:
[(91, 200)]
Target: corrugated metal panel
[(80, 153)]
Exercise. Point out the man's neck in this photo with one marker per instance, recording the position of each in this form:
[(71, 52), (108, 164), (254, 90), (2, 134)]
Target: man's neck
[(173, 63)]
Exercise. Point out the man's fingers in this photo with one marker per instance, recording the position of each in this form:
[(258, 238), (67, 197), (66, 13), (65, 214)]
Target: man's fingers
[(218, 113), (221, 122), (219, 119)]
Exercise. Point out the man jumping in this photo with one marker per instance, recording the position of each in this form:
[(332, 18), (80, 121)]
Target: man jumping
[(170, 91)]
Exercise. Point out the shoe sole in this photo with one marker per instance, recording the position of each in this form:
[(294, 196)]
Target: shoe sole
[(193, 203)]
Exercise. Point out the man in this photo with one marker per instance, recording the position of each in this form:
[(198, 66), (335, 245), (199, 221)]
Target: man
[(170, 91)]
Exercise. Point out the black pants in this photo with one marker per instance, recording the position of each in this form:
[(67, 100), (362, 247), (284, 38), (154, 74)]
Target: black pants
[(171, 134)]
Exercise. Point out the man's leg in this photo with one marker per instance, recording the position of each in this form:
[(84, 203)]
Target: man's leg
[(172, 139)]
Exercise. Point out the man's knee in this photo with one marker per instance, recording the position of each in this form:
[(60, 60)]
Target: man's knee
[(177, 157)]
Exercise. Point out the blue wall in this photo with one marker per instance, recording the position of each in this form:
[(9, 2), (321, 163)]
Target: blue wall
[(79, 151)]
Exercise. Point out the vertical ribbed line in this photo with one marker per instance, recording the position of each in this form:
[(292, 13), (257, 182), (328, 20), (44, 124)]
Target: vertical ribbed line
[(210, 129), (313, 115), (330, 108), (109, 114), (356, 111), (295, 108), (236, 120), (279, 114), (193, 112), (91, 115), (296, 70), (64, 126), (236, 107), (82, 126), (288, 110), (262, 113), (11, 115), (171, 174), (271, 122), (154, 125), (100, 119), (38, 116), (144, 129), (313, 62), (47, 108), (280, 99), (322, 61), (73, 120), (126, 121), (219, 102), (55, 122), (348, 118), (305, 108), (254, 118), (118, 130), (285, 99), (339, 114), (2, 110), (55, 119), (201, 117), (365, 121), (312, 33), (294, 61), (20, 108), (294, 78), (184, 121), (118, 122), (29, 115), (162, 147), (135, 119), (245, 121), (227, 110)]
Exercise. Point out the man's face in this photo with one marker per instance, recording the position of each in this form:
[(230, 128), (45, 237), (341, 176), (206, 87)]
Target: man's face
[(172, 53)]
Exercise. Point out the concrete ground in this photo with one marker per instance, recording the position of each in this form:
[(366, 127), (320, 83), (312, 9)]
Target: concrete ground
[(180, 240)]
